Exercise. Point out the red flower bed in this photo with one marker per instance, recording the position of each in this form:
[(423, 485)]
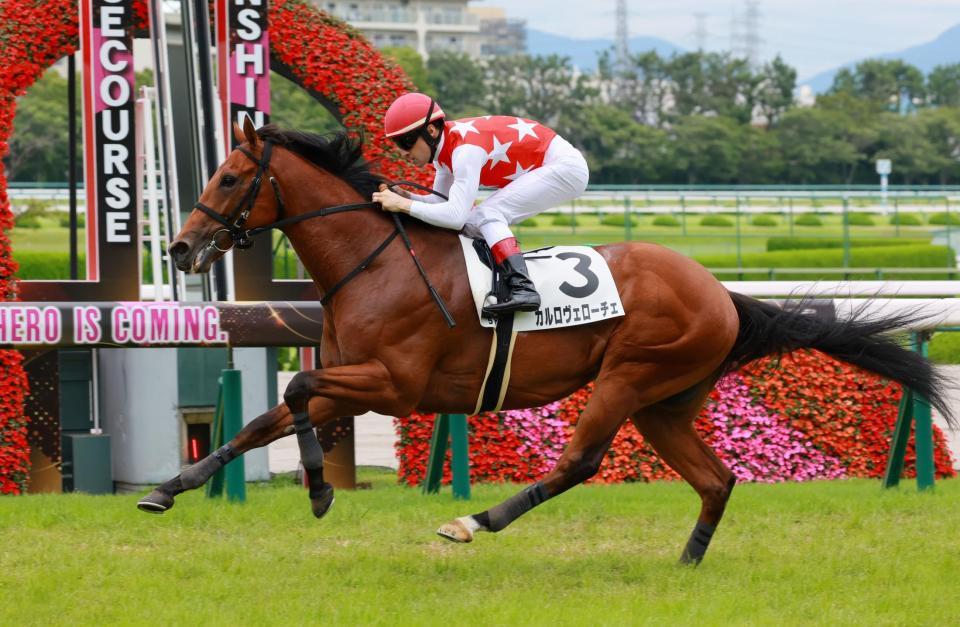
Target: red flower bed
[(808, 417)]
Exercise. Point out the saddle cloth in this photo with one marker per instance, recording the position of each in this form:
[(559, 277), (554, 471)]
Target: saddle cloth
[(574, 282)]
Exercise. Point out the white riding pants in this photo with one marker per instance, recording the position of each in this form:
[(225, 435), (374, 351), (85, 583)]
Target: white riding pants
[(562, 178)]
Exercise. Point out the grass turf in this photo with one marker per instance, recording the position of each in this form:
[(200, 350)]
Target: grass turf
[(842, 552)]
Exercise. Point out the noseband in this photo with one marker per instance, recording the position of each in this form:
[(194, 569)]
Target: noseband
[(233, 225)]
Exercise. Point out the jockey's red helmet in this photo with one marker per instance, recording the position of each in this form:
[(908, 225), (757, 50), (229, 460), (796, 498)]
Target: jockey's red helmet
[(409, 112)]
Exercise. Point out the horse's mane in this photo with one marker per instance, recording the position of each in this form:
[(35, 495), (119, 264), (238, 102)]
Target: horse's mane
[(337, 153)]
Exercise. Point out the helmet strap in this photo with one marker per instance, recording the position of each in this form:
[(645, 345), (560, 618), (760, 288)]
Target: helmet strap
[(432, 142)]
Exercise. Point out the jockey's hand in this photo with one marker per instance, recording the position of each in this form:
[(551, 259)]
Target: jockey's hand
[(391, 201)]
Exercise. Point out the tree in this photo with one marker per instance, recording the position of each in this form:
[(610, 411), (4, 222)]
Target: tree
[(412, 64), (902, 140), (38, 145), (943, 86), (457, 82), (540, 88), (617, 147), (941, 127), (707, 149), (882, 82), (815, 147), (293, 107), (774, 91)]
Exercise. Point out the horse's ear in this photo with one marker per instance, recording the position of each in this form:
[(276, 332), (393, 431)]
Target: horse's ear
[(237, 133), (249, 131)]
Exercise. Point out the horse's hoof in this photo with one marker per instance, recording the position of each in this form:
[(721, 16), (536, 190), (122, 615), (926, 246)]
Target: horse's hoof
[(455, 531), (156, 502), (323, 501)]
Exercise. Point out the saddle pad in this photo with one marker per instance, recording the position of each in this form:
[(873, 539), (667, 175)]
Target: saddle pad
[(574, 282)]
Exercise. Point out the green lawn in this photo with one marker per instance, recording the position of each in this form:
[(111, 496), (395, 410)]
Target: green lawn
[(842, 552)]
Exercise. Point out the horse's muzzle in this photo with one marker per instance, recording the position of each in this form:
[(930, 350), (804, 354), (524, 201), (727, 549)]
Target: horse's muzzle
[(180, 253)]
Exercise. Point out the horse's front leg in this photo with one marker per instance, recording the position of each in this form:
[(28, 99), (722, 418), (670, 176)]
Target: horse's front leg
[(346, 390), (317, 396), (262, 430)]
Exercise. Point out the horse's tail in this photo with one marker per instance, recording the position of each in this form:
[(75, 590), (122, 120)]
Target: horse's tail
[(766, 329)]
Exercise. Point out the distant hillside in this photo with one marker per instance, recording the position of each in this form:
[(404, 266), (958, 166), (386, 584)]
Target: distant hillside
[(583, 52), (942, 50)]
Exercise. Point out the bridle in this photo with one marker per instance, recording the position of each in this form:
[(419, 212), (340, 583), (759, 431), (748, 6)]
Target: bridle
[(242, 238)]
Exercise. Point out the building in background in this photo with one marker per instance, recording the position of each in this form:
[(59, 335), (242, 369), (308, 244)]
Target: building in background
[(431, 25), (425, 26), (499, 34)]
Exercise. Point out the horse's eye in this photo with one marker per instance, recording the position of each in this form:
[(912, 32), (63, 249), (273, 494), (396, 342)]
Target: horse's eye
[(228, 180)]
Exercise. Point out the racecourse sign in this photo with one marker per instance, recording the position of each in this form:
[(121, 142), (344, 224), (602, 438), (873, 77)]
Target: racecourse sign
[(109, 158), (243, 63), (142, 324)]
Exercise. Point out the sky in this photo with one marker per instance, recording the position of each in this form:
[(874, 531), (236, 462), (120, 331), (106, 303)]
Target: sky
[(811, 35)]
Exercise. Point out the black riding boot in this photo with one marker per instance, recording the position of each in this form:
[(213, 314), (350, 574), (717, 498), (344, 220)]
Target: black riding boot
[(523, 295)]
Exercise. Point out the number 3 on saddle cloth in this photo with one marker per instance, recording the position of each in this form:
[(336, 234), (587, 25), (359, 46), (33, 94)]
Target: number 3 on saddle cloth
[(575, 287)]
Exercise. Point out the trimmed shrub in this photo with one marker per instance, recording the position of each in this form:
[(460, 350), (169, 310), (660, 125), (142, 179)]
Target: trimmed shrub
[(764, 220), (564, 219), (945, 348), (859, 219), (716, 221), (807, 219), (807, 243), (64, 220), (528, 223), (919, 256), (906, 219), (665, 220), (27, 221), (944, 218), (618, 219)]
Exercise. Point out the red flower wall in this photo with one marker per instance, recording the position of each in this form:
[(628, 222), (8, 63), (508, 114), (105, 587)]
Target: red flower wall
[(846, 414)]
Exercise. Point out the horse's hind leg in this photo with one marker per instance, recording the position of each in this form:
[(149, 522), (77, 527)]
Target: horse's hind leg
[(261, 431), (609, 406), (669, 429)]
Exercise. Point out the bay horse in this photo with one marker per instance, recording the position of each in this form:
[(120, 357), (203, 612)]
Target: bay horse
[(386, 348)]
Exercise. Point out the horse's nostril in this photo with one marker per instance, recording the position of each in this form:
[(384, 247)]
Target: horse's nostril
[(178, 249)]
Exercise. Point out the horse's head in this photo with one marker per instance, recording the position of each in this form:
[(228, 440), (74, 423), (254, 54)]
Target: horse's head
[(233, 202)]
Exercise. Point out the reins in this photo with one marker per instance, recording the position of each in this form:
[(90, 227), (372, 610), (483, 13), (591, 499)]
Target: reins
[(243, 238)]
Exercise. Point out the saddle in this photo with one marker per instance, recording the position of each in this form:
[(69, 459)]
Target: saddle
[(575, 285)]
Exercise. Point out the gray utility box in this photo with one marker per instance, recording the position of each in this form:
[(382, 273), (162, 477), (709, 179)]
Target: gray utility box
[(86, 463)]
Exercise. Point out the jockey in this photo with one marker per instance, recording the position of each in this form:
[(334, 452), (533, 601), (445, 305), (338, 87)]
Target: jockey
[(531, 166)]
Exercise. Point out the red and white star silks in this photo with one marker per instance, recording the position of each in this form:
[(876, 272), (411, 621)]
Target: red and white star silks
[(514, 146), (532, 167)]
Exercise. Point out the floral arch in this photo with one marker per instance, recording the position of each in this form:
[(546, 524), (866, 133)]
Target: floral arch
[(328, 58)]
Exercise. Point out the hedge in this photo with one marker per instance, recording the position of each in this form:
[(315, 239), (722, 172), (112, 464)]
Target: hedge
[(563, 219), (906, 219), (919, 256), (805, 243), (763, 220), (716, 221), (807, 219), (665, 221), (860, 219), (618, 219), (944, 218)]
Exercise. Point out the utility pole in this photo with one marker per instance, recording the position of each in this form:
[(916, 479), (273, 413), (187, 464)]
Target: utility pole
[(622, 46), (752, 41), (700, 34)]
